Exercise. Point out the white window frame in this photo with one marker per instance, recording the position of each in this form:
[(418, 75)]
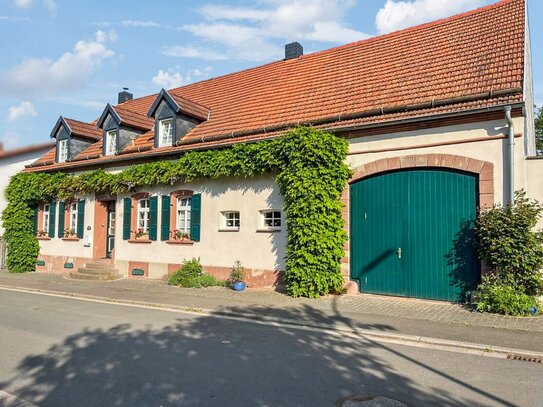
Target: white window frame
[(183, 206), (162, 141), (230, 220), (63, 151), (143, 215), (273, 215), (73, 216), (46, 217), (111, 149)]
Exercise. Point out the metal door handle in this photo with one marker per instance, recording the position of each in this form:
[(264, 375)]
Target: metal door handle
[(399, 252)]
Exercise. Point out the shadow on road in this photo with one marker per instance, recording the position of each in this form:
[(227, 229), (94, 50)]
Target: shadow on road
[(210, 361)]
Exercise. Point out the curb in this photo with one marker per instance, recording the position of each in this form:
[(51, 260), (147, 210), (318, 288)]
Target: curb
[(371, 335)]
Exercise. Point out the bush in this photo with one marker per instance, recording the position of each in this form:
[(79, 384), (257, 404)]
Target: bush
[(497, 297), (191, 275), (189, 270), (511, 247)]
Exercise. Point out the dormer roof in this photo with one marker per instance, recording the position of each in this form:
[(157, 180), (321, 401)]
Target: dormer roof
[(180, 104), (77, 128), (125, 117)]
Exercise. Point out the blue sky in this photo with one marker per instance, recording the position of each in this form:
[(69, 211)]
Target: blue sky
[(72, 57)]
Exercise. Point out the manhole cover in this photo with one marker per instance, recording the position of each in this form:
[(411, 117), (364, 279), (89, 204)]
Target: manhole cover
[(367, 400)]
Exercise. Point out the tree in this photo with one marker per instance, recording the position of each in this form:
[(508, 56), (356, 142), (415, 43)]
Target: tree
[(539, 131)]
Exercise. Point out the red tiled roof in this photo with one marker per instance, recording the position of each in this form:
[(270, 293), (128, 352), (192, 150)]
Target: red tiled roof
[(132, 118), (426, 69), (85, 130), (192, 108)]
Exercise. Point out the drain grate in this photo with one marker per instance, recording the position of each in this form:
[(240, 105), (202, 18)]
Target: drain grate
[(523, 358)]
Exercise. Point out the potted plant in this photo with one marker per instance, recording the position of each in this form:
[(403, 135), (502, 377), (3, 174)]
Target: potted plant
[(70, 233), (180, 235), (237, 277), (140, 234), (42, 233)]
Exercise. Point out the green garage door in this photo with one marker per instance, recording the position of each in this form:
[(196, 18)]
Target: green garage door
[(412, 234)]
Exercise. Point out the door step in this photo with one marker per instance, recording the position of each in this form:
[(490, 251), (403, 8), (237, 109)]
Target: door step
[(99, 270)]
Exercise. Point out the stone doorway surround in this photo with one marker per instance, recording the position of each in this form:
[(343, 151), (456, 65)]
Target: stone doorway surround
[(483, 169)]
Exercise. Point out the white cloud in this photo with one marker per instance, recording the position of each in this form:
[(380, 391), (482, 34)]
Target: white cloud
[(173, 78), (233, 13), (23, 3), (251, 33), (51, 7), (25, 109), (194, 52), (67, 73), (139, 23), (396, 15), (168, 79)]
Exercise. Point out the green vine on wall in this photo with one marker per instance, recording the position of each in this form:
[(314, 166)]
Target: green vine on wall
[(311, 174)]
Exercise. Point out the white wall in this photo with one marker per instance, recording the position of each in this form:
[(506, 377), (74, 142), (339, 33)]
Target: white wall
[(255, 249), (494, 151)]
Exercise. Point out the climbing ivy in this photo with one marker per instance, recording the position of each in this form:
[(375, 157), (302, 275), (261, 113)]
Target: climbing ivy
[(311, 174)]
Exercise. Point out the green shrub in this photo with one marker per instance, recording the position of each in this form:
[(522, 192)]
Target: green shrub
[(191, 275), (511, 247), (497, 297), (189, 270)]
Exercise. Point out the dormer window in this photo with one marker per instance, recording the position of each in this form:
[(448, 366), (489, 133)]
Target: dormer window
[(111, 142), (62, 151), (165, 133)]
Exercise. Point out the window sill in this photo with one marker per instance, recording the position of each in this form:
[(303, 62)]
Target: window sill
[(43, 238), (229, 230), (70, 239), (268, 230), (182, 242), (140, 241)]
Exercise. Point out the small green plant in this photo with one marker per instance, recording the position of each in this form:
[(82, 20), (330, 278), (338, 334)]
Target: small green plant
[(237, 274), (42, 233), (497, 297)]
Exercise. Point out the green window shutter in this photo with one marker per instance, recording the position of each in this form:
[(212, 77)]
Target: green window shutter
[(153, 217), (61, 211), (127, 217), (52, 219), (195, 217), (165, 215), (36, 212), (81, 218)]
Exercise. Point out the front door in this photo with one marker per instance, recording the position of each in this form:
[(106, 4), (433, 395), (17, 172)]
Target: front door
[(110, 236)]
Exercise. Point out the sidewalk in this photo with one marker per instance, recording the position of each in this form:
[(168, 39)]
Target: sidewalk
[(361, 312)]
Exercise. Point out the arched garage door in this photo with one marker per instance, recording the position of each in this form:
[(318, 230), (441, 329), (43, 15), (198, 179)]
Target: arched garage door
[(412, 234)]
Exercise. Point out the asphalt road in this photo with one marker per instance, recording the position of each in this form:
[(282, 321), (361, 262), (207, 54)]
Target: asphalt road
[(67, 352)]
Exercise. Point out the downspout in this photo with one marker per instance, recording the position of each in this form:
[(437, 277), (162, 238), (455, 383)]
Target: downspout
[(511, 145)]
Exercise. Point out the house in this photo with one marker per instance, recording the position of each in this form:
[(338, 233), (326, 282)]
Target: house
[(439, 120), (14, 161)]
